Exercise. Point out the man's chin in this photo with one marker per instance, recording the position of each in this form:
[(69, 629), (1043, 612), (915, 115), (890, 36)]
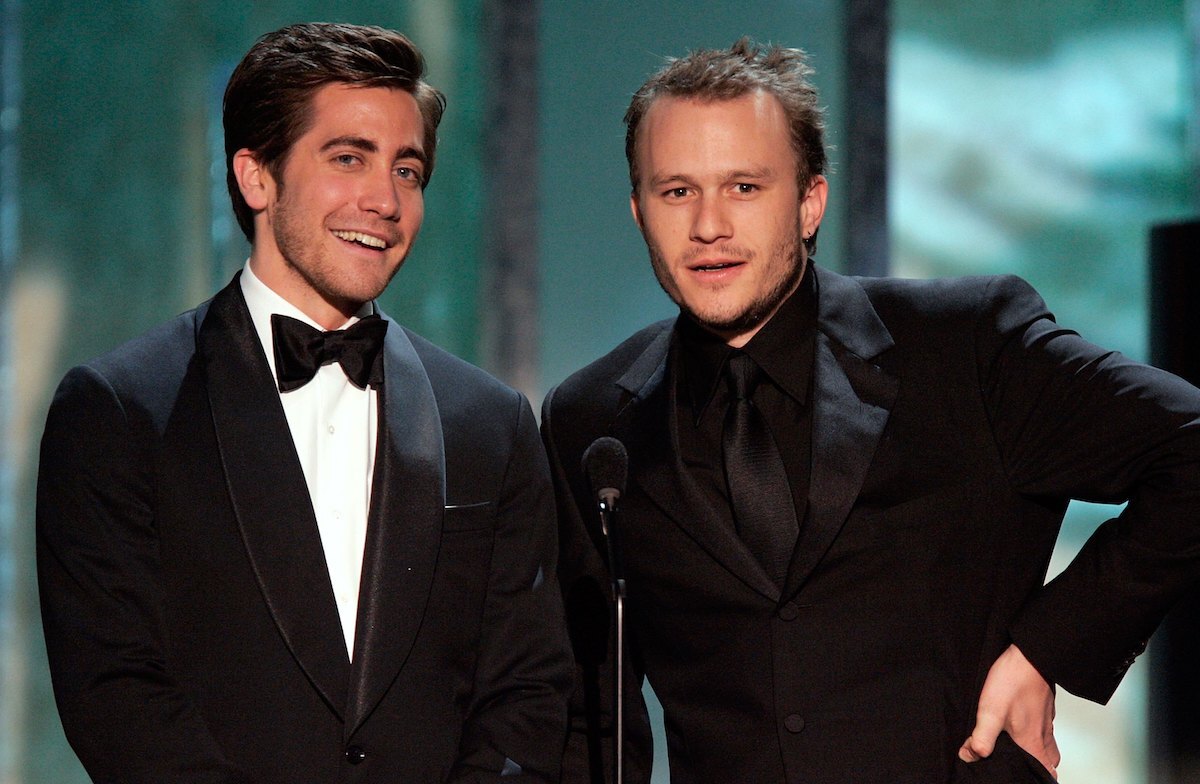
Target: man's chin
[(364, 289), (725, 326)]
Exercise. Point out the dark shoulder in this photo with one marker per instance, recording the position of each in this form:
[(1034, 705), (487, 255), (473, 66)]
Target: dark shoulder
[(605, 371), (958, 300), (157, 359), (590, 397), (140, 378), (457, 382), (957, 294)]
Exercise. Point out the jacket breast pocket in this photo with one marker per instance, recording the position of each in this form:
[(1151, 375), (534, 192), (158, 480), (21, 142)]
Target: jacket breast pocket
[(469, 517)]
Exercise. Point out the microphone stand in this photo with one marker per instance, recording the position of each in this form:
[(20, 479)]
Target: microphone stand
[(608, 513)]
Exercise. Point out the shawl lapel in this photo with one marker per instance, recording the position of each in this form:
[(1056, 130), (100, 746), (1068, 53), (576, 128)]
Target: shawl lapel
[(269, 495), (404, 527)]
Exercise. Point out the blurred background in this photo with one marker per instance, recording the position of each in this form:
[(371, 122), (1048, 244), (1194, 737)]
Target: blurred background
[(1023, 136)]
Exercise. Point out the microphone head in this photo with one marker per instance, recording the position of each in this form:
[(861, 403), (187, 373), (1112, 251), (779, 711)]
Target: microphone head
[(606, 465)]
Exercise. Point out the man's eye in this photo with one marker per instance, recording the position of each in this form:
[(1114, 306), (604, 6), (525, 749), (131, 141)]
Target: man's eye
[(746, 187), (346, 159), (407, 173), (676, 193)]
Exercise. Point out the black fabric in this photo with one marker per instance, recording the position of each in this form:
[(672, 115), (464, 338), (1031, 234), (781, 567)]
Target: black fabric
[(758, 485), (191, 630), (951, 421), (784, 348), (301, 350)]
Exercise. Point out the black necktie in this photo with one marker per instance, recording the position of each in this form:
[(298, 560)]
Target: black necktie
[(301, 350), (758, 485)]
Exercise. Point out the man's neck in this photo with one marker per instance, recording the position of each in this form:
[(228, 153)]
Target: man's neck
[(286, 282)]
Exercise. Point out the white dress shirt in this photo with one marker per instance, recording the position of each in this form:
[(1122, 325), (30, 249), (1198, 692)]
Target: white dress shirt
[(334, 426)]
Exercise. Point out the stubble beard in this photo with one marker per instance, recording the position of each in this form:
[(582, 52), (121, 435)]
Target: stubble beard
[(338, 285), (755, 312)]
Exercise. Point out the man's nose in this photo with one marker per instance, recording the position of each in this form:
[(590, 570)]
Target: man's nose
[(711, 221), (380, 195)]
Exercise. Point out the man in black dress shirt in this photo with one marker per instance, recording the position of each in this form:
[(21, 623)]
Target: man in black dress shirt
[(843, 493)]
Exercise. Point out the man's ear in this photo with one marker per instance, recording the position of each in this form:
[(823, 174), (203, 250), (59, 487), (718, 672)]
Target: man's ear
[(812, 205), (253, 179), (635, 209)]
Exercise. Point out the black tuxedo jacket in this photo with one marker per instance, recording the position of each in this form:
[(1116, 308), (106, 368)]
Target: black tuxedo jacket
[(190, 623), (952, 422)]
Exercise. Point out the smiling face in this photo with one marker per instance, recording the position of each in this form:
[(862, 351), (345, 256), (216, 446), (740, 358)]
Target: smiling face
[(719, 206), (335, 226)]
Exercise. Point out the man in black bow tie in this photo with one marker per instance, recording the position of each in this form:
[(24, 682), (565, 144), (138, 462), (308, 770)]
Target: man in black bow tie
[(281, 539)]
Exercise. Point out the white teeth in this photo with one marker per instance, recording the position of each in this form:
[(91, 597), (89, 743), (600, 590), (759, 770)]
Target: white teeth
[(361, 239)]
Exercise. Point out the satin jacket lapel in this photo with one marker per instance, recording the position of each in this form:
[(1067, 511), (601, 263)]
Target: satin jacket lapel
[(647, 427), (852, 400), (269, 494), (404, 528)]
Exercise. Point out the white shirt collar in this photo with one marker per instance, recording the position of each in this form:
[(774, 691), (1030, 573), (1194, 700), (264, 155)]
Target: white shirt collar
[(263, 302)]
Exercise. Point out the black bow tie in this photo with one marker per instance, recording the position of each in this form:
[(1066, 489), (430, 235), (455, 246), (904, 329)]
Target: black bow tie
[(301, 350)]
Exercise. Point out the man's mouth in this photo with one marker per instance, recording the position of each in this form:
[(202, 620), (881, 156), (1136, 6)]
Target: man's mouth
[(357, 237), (715, 266)]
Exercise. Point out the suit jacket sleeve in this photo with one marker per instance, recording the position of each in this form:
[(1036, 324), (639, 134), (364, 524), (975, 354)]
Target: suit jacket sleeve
[(124, 713), (515, 727), (1072, 420)]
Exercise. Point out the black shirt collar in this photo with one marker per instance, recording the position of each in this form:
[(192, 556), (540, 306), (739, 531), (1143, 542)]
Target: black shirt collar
[(783, 348)]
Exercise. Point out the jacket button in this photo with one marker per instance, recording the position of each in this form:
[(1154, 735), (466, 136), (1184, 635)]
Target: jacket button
[(355, 755), (794, 723), (789, 612)]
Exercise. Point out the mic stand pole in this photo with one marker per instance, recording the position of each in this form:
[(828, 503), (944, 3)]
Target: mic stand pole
[(608, 511)]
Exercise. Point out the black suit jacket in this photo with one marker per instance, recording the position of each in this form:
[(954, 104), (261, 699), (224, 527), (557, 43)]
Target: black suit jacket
[(190, 623), (952, 422)]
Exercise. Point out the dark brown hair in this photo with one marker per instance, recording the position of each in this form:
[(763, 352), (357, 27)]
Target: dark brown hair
[(269, 96), (725, 74)]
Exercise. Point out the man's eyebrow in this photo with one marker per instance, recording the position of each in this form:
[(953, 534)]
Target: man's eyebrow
[(761, 173), (357, 142), (414, 153), (732, 175), (658, 180), (367, 145)]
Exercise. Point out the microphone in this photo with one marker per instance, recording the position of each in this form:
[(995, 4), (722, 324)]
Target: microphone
[(606, 465), (588, 622)]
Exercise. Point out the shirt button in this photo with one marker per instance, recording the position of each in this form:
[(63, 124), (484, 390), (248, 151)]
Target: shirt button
[(331, 428), (355, 755), (789, 612), (794, 723)]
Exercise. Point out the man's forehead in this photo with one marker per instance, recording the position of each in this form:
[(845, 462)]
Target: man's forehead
[(379, 117), (687, 116), (683, 125)]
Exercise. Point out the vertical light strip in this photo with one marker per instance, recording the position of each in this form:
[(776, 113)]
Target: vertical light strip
[(1192, 105), (866, 159), (431, 26), (12, 659), (228, 251), (509, 318)]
